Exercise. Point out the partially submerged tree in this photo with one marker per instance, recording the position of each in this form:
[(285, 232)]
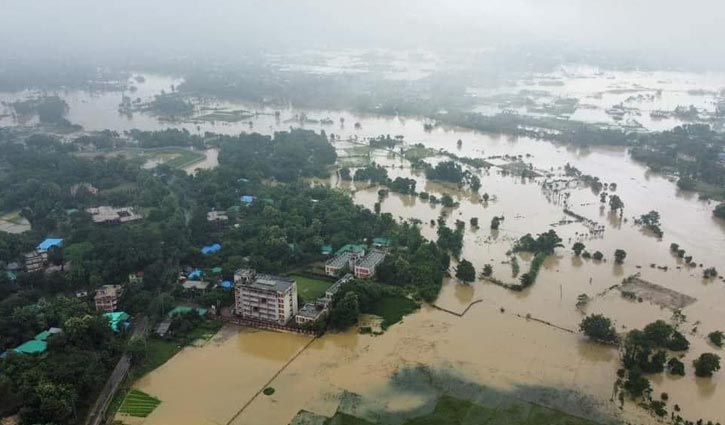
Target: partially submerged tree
[(598, 328)]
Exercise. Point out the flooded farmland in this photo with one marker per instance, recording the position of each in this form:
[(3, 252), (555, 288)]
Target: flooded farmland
[(523, 344)]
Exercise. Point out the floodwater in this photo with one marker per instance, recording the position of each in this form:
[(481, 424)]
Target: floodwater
[(502, 350)]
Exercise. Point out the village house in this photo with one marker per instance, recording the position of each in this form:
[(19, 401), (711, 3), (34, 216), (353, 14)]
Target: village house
[(264, 297), (218, 218), (365, 267), (76, 188), (110, 215), (107, 297)]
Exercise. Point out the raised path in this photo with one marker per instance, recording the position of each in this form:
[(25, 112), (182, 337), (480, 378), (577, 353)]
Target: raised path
[(98, 412)]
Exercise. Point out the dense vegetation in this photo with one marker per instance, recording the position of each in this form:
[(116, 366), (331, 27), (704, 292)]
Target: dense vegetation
[(284, 226)]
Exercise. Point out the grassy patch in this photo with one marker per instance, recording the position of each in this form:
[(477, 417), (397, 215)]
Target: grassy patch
[(419, 152), (205, 330), (138, 404), (392, 309), (158, 352), (310, 289), (174, 157)]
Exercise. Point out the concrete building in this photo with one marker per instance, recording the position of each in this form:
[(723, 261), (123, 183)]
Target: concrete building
[(336, 264), (365, 267), (107, 297), (264, 297), (218, 218), (110, 215), (36, 261)]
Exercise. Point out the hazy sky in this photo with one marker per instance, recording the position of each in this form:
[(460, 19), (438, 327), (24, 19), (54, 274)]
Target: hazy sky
[(686, 31)]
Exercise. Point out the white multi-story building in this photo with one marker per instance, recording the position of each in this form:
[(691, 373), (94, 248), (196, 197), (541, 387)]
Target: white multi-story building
[(264, 297)]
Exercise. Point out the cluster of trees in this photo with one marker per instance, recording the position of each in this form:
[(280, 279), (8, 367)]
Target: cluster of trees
[(49, 109), (647, 351), (651, 222), (451, 171), (56, 386), (285, 226), (544, 243), (690, 150)]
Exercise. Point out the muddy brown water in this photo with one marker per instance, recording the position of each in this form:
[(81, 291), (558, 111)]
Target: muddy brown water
[(210, 384)]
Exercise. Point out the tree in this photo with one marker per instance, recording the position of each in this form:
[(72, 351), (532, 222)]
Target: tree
[(474, 221), (136, 348), (719, 210), (465, 271), (616, 204), (487, 270), (578, 247), (716, 338), (706, 365), (619, 256), (345, 311), (495, 223), (676, 367), (637, 385), (598, 328)]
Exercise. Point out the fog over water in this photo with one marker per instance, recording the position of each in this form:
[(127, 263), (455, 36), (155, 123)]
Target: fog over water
[(669, 31)]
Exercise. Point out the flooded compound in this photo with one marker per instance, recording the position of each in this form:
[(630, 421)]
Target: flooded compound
[(524, 344)]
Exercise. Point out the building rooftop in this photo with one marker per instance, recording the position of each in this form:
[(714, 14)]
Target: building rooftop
[(49, 243), (371, 260), (43, 336), (211, 249), (33, 346), (332, 290), (340, 260), (184, 310), (217, 216), (381, 242), (268, 282), (311, 310), (195, 284), (353, 248), (109, 291), (104, 214), (116, 319)]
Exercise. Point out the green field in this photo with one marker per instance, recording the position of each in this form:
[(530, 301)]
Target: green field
[(310, 289), (453, 411), (392, 309), (138, 404), (173, 157)]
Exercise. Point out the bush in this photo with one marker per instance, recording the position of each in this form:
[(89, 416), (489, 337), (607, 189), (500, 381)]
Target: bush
[(716, 338)]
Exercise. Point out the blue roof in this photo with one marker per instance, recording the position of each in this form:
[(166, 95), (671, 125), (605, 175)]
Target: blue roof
[(226, 284), (49, 243), (210, 249), (247, 199), (196, 274)]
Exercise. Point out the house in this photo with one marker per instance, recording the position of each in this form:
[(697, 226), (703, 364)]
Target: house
[(357, 251), (332, 290), (107, 297), (32, 347), (43, 336), (326, 250), (247, 199), (365, 267), (118, 320), (135, 278), (49, 243), (36, 261), (219, 218), (264, 297), (198, 285), (310, 312), (381, 242), (110, 215), (211, 249), (76, 188)]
